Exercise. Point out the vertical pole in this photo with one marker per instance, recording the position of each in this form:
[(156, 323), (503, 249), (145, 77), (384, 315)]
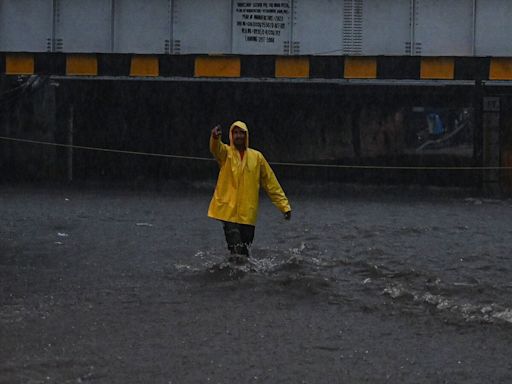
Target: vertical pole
[(6, 150), (70, 143), (52, 120), (478, 128), (356, 131), (491, 123)]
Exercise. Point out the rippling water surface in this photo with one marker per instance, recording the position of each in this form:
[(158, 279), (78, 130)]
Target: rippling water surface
[(377, 286), (448, 258)]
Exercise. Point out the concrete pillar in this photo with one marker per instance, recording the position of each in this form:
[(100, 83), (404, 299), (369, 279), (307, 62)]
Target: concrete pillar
[(491, 143), (71, 120), (506, 143), (6, 145)]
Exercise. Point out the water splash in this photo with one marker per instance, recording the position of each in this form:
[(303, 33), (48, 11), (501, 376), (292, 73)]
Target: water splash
[(505, 315), (305, 266), (468, 311), (262, 262)]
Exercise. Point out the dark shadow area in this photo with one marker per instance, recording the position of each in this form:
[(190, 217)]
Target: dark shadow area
[(325, 124)]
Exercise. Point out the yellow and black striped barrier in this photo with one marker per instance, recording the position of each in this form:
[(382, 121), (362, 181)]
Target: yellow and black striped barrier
[(259, 66)]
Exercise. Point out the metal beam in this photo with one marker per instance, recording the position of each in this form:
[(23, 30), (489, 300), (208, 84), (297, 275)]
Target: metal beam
[(358, 82)]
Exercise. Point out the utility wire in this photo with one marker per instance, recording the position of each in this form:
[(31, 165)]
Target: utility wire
[(305, 165)]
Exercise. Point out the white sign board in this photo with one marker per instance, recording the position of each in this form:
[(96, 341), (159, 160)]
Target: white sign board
[(261, 27)]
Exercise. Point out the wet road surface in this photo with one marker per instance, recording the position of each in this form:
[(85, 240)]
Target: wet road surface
[(106, 286)]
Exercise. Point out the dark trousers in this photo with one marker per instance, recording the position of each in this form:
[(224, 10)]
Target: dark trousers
[(239, 237)]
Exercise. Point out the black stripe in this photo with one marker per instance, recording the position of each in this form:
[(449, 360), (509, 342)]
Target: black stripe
[(258, 66), (50, 63), (114, 65), (326, 67), (398, 67), (2, 63), (177, 65), (472, 68)]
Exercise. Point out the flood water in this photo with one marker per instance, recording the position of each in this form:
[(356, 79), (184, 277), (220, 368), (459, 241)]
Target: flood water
[(112, 286)]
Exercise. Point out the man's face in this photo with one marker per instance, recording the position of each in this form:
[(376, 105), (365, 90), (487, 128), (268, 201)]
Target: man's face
[(239, 137)]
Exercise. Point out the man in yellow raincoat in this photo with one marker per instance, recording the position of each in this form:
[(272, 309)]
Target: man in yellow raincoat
[(235, 200)]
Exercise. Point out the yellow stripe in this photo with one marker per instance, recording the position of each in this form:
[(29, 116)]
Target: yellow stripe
[(217, 66), (292, 67), (360, 68), (143, 65), (19, 64), (81, 65), (500, 69), (437, 68)]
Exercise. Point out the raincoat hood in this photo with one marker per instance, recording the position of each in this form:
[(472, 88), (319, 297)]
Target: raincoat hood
[(243, 127)]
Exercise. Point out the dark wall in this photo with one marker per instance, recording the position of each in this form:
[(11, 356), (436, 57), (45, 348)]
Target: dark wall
[(27, 110), (288, 122)]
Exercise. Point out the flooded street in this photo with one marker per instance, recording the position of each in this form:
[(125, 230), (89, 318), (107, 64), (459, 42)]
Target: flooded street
[(111, 286)]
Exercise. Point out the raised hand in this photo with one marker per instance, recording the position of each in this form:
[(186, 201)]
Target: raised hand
[(216, 132)]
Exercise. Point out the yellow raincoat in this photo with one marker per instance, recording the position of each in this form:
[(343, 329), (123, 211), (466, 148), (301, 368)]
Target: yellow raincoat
[(236, 195)]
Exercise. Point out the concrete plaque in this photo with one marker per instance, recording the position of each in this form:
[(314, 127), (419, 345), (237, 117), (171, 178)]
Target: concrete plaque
[(491, 104)]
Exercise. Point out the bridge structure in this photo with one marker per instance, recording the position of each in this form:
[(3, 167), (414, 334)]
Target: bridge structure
[(414, 44), (370, 39)]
